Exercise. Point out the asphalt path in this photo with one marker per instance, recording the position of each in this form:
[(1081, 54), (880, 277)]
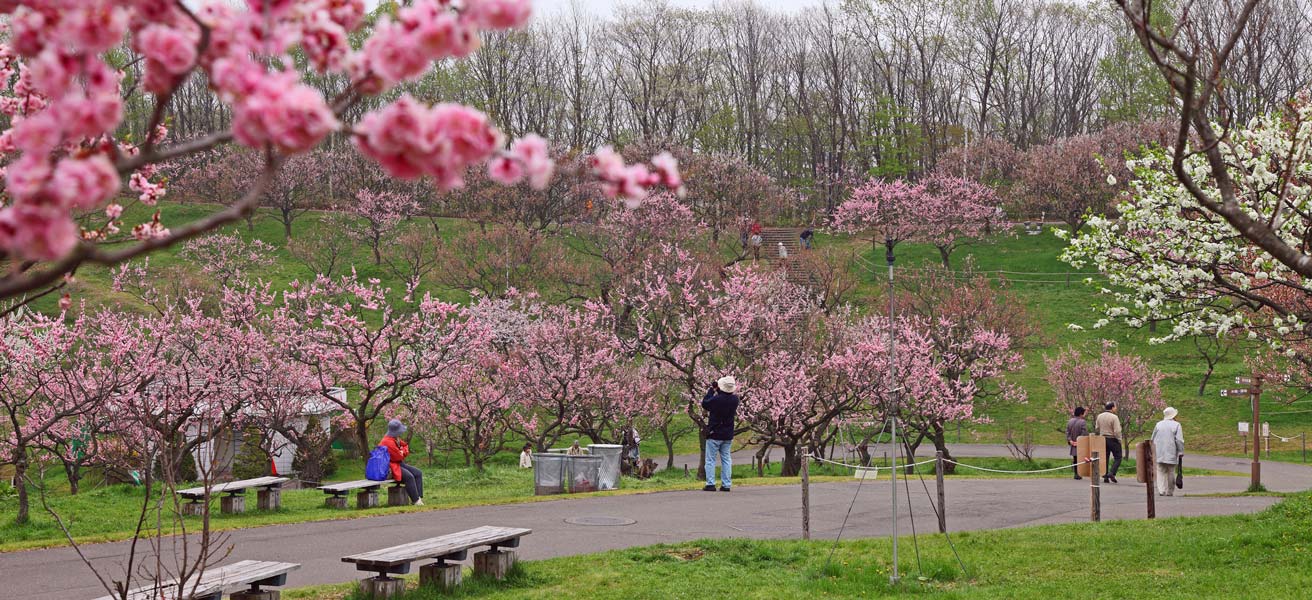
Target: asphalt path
[(762, 512)]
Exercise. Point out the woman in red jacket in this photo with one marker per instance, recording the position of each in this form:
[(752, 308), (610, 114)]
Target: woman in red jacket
[(412, 477)]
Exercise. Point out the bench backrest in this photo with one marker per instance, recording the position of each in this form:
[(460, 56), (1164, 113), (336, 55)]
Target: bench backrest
[(214, 580), (233, 486), (438, 546)]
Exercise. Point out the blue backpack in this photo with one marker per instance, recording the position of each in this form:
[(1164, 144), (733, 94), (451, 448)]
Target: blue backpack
[(379, 466)]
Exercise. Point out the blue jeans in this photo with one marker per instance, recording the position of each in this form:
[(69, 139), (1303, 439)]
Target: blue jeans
[(721, 449)]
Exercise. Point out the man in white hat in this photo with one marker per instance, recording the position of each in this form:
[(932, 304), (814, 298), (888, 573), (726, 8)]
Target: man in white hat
[(722, 404), (1168, 440)]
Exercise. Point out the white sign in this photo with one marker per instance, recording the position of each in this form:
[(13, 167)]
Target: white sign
[(1243, 427), (1266, 430)]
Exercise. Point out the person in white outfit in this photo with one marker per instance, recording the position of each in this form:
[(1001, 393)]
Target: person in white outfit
[(783, 252), (1168, 442)]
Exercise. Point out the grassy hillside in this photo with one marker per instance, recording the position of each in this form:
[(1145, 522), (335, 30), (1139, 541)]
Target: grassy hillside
[(1209, 420)]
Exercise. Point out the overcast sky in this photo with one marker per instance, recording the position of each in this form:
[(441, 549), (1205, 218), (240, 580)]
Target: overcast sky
[(604, 8)]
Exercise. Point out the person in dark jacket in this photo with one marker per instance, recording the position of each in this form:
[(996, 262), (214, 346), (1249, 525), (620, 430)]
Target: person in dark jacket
[(1075, 428), (722, 404), (412, 477), (808, 234)]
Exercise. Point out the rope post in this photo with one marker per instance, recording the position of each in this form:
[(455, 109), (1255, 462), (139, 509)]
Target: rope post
[(1095, 500), (1150, 472), (942, 508), (1256, 392), (806, 493), (1304, 436)]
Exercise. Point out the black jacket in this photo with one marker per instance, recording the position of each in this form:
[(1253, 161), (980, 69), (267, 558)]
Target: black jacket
[(723, 408)]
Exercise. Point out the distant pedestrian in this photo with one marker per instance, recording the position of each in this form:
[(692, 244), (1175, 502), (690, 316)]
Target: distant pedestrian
[(807, 235), (756, 241), (756, 228), (1168, 442), (411, 477), (634, 441), (722, 404), (783, 251), (1075, 428), (526, 457), (575, 450), (1108, 425)]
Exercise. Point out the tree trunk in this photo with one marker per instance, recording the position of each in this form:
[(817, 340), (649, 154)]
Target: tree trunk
[(1202, 387), (939, 438), (362, 435), (863, 450), (378, 257), (73, 470), (669, 446), (20, 483), (945, 253), (287, 227), (760, 460), (792, 465)]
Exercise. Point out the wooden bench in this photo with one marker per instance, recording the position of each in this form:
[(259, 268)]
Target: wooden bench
[(396, 560), (255, 573), (367, 495), (270, 495)]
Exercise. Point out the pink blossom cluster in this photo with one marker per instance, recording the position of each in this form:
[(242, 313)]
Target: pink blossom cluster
[(411, 140), (423, 32), (529, 158), (632, 181)]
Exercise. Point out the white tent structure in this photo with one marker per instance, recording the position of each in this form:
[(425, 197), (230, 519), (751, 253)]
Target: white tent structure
[(216, 455)]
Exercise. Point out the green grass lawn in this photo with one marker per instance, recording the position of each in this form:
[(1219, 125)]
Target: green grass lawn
[(1267, 555)]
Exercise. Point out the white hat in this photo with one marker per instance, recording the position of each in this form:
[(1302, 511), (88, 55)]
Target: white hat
[(727, 384), (1170, 413)]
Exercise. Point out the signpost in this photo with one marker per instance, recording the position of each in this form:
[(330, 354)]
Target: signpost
[(1254, 392)]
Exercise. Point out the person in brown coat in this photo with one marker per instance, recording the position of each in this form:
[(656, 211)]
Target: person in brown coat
[(1075, 428)]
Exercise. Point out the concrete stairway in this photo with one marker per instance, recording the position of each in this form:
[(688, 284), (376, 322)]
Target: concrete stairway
[(797, 272)]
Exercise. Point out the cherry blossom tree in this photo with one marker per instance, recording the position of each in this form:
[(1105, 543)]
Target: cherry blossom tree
[(354, 334), (377, 216), (54, 372), (498, 259), (1113, 377), (227, 257), (943, 210), (622, 239), (63, 97), (222, 176), (467, 407)]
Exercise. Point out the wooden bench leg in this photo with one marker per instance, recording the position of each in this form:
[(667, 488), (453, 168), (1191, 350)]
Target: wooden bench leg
[(494, 563), (396, 496), (233, 504), (382, 587), (367, 499), (194, 508), (269, 499), (445, 576), (256, 594), (336, 501)]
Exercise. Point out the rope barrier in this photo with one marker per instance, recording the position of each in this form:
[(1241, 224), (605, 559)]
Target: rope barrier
[(1061, 468), (1284, 439), (865, 468)]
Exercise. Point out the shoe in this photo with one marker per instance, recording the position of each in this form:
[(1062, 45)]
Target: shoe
[(1077, 478), (709, 488), (1106, 479), (724, 489), (1113, 478), (419, 502)]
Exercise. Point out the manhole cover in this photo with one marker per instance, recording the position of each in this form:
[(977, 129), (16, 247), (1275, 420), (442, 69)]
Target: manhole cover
[(600, 521)]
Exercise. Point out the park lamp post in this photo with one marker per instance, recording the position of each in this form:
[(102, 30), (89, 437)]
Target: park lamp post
[(892, 384)]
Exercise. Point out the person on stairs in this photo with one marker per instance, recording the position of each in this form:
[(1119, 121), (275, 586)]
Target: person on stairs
[(1168, 442), (411, 477), (1108, 425), (722, 404), (807, 235), (1075, 428), (783, 251), (756, 241)]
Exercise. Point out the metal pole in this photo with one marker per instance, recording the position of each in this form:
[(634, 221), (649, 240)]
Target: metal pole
[(942, 509), (1146, 457), (1256, 394), (806, 494), (1304, 436), (892, 385)]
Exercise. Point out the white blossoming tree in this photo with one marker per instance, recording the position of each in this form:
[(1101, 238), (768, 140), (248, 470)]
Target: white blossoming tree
[(1169, 258)]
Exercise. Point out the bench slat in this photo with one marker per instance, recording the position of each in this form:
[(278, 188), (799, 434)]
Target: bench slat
[(346, 486), (216, 579), (232, 486), (438, 546)]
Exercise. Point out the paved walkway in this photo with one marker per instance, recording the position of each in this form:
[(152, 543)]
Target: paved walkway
[(752, 512)]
